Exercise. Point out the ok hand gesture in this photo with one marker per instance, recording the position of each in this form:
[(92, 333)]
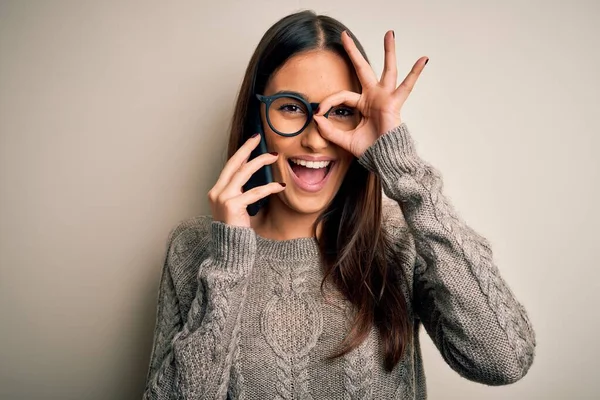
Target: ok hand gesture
[(380, 103)]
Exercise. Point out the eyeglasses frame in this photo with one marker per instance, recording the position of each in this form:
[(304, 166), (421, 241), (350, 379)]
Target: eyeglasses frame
[(311, 107)]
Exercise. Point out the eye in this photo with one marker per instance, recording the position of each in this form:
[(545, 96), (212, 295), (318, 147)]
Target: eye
[(342, 112), (291, 108)]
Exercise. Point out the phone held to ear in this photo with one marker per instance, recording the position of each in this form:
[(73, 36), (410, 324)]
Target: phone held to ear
[(261, 177)]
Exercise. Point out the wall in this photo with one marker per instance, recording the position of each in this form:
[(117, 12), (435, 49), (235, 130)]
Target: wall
[(113, 121)]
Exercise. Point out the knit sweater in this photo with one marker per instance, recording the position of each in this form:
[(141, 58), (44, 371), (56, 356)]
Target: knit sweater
[(242, 317)]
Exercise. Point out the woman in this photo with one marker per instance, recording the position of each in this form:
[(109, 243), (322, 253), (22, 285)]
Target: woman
[(322, 293)]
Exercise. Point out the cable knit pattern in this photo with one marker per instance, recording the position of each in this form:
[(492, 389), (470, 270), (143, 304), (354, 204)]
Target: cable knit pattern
[(450, 249), (358, 371), (242, 317), (236, 387), (167, 326), (406, 389), (291, 324)]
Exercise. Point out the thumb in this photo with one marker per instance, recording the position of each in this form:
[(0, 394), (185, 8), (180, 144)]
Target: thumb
[(333, 134)]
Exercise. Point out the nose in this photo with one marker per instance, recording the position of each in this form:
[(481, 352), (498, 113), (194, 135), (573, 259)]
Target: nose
[(312, 139)]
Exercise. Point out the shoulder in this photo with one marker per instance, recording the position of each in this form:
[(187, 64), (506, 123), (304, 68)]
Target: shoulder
[(188, 242), (190, 227)]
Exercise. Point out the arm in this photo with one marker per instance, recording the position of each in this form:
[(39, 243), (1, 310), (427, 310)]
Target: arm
[(192, 353), (468, 310), (193, 349)]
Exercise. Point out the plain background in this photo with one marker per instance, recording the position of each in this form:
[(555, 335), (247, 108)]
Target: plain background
[(114, 117)]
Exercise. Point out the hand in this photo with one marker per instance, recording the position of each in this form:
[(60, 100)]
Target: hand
[(379, 104), (227, 199)]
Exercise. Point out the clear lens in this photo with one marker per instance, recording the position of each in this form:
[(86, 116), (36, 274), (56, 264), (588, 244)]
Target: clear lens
[(288, 115)]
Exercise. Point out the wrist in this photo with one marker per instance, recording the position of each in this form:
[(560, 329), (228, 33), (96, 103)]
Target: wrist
[(387, 123), (393, 152), (383, 127), (234, 247)]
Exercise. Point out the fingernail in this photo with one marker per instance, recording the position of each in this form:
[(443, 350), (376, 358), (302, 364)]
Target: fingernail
[(253, 136), (282, 184), (394, 34), (274, 153), (317, 110), (426, 61)]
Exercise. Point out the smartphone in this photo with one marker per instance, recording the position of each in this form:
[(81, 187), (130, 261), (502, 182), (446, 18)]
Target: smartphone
[(264, 175)]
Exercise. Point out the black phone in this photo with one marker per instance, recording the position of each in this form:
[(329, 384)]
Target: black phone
[(264, 175)]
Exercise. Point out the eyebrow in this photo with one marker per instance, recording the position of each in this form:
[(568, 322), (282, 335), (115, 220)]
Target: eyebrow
[(304, 96)]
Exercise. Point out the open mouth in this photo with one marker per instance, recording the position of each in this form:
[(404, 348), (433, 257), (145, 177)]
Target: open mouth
[(310, 174)]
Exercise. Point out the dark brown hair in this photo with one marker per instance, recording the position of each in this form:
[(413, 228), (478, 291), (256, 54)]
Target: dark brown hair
[(353, 243)]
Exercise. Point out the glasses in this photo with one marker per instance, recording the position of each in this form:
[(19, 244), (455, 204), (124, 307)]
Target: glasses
[(288, 114)]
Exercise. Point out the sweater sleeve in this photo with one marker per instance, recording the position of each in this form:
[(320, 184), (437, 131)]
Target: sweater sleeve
[(467, 309), (192, 353)]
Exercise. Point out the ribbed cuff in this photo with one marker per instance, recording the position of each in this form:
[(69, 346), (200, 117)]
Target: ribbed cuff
[(392, 153), (234, 247)]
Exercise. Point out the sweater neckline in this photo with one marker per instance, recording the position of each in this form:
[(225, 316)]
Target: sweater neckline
[(296, 249)]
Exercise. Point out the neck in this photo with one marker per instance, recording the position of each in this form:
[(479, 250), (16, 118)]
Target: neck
[(280, 222)]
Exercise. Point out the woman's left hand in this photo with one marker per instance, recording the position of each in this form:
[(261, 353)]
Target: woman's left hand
[(379, 104)]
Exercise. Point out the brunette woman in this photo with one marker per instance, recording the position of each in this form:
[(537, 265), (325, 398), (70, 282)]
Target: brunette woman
[(322, 293)]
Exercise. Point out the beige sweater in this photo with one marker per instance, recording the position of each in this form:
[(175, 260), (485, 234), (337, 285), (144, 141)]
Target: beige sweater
[(242, 317)]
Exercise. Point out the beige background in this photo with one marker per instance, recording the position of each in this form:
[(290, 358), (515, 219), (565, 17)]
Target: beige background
[(113, 121)]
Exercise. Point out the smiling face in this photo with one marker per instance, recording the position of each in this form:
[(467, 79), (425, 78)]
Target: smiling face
[(311, 167)]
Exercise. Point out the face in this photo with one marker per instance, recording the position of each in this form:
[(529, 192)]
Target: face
[(311, 167)]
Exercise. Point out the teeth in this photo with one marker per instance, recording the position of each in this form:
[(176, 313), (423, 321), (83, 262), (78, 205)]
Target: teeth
[(311, 164)]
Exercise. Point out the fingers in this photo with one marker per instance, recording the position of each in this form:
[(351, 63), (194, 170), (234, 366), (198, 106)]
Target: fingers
[(333, 134), (389, 76), (236, 161), (409, 82), (233, 210), (228, 202), (257, 193), (243, 174), (365, 73), (346, 97)]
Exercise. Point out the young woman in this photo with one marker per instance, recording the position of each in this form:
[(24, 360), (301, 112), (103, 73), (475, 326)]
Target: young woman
[(322, 293)]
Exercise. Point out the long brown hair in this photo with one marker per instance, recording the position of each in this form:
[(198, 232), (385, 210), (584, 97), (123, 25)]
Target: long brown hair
[(353, 243)]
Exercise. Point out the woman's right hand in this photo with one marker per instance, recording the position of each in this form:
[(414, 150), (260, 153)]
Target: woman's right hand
[(227, 199)]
